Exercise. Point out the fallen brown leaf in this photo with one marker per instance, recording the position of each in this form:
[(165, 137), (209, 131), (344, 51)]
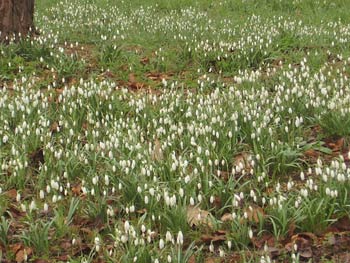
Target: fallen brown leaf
[(267, 238), (23, 254), (76, 190), (15, 247), (54, 127), (226, 217), (255, 213), (157, 154), (157, 76), (342, 224), (12, 194), (215, 237), (311, 153), (196, 216), (192, 259), (212, 260), (336, 145), (144, 60), (242, 159), (41, 261), (37, 158)]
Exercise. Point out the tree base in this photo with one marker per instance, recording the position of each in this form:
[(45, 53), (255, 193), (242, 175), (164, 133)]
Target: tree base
[(17, 19)]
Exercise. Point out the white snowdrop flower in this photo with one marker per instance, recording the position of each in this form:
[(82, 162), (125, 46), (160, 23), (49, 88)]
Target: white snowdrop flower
[(132, 209), (146, 199), (211, 248), (97, 244), (5, 138), (211, 200), (106, 180), (221, 253), (46, 207), (180, 238), (302, 176), (328, 191), (94, 180), (54, 198), (32, 206), (199, 197), (18, 197), (295, 247), (181, 192), (229, 244), (23, 207), (169, 258), (234, 216), (124, 238), (250, 233), (168, 237), (126, 226), (296, 204), (191, 201), (245, 215)]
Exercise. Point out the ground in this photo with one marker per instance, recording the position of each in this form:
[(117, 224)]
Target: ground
[(177, 131)]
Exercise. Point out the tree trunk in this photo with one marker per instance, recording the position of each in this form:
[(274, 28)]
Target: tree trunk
[(16, 19)]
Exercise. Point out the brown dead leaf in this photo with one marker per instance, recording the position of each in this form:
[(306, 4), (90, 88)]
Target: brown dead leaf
[(54, 127), (23, 254), (306, 252), (144, 60), (196, 216), (267, 238), (133, 84), (157, 154), (41, 261), (214, 238), (304, 242), (192, 259), (227, 217), (141, 211), (157, 76), (15, 212), (65, 245), (311, 153), (255, 213), (76, 190), (15, 247), (212, 260), (242, 159), (36, 158), (342, 257), (62, 257), (12, 194), (291, 229), (342, 224), (335, 145), (136, 85), (132, 77)]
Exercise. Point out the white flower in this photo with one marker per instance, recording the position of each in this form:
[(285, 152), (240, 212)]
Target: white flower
[(180, 238), (5, 138), (161, 244), (250, 233), (126, 226)]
